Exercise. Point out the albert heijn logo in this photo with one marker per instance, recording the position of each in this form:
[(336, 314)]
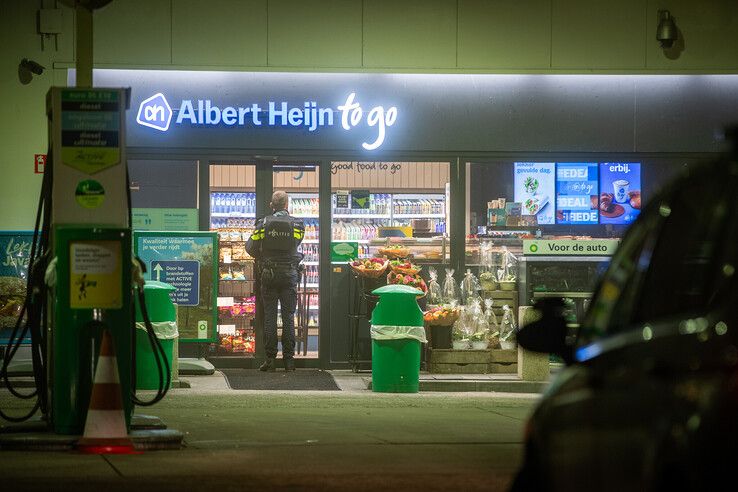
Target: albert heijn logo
[(155, 112)]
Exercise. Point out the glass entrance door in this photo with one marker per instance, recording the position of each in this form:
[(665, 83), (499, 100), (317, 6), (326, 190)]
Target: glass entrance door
[(300, 182)]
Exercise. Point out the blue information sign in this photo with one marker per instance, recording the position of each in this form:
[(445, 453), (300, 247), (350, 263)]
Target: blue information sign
[(184, 275)]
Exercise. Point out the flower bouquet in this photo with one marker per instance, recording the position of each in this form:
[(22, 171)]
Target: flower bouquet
[(371, 268), (404, 267), (394, 251), (409, 280), (441, 316)]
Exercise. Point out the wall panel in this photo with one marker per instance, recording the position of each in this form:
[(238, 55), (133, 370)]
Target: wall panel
[(134, 32), (503, 34), (412, 33), (226, 32), (319, 33), (598, 34)]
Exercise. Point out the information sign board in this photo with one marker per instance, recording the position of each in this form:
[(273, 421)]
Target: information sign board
[(187, 261)]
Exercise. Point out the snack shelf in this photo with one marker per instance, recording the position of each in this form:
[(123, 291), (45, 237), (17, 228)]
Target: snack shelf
[(306, 216), (310, 262)]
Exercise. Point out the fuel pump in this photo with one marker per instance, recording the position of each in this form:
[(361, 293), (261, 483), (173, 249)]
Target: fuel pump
[(82, 277)]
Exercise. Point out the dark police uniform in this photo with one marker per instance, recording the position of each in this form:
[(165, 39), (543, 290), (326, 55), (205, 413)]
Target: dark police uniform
[(274, 245)]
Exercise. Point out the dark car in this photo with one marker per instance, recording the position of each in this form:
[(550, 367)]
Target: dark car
[(648, 397)]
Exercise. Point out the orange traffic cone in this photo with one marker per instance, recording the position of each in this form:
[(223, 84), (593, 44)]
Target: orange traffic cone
[(105, 427)]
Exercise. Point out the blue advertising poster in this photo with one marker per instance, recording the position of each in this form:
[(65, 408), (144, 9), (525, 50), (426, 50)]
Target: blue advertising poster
[(188, 262), (15, 251), (535, 188), (620, 192), (576, 193)]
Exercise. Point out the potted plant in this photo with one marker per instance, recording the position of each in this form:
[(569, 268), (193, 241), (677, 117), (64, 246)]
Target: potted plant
[(459, 341), (479, 341), (507, 282), (488, 281)]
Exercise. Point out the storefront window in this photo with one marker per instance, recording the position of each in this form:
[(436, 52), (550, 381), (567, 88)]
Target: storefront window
[(377, 203), (163, 195), (393, 210), (559, 218)]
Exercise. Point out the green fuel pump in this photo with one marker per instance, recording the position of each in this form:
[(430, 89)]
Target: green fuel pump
[(81, 274)]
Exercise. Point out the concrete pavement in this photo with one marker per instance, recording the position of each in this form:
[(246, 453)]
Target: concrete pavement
[(349, 440)]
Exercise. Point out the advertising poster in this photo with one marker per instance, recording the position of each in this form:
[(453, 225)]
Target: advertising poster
[(576, 193), (15, 252), (620, 192), (188, 262), (535, 189)]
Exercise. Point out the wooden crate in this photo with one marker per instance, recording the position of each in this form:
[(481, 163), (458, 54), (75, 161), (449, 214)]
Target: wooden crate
[(500, 298), (503, 361), (449, 361)]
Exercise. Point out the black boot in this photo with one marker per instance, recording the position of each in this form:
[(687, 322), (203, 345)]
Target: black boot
[(269, 365), (289, 364)]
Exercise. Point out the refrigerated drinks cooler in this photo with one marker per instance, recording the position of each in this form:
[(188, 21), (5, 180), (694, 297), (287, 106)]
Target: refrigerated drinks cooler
[(232, 215)]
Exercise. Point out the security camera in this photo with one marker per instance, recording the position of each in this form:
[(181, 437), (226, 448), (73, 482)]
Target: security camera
[(666, 32), (32, 66)]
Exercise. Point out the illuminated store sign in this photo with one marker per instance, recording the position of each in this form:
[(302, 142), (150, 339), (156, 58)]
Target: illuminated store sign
[(155, 112)]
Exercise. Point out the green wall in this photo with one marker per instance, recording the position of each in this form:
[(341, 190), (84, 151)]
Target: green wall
[(545, 36)]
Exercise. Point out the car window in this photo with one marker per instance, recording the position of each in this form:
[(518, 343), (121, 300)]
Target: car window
[(618, 290), (674, 259), (687, 263)]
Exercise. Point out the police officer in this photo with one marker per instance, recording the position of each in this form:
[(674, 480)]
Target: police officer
[(274, 245)]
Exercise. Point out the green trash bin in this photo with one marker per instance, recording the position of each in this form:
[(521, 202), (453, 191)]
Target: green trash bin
[(397, 332), (163, 317)]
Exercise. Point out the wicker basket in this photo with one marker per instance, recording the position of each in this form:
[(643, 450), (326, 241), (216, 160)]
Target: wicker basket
[(448, 321), (405, 271), (363, 272)]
